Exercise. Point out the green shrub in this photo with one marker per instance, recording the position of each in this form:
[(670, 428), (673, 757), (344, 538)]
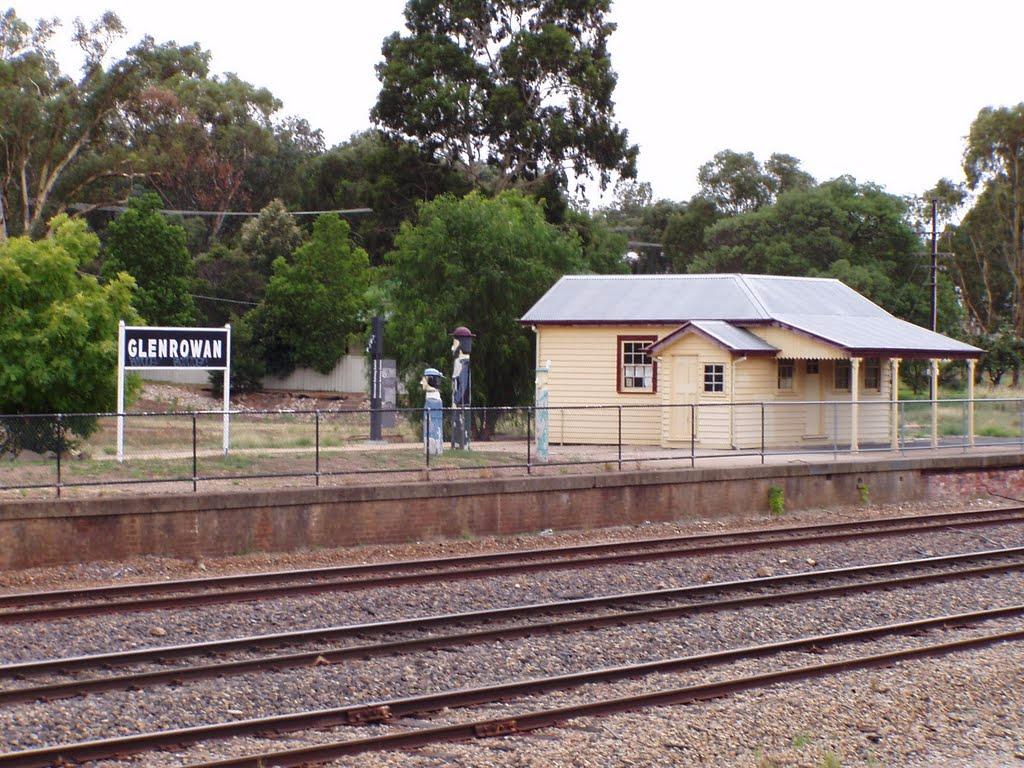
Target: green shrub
[(864, 493), (776, 501)]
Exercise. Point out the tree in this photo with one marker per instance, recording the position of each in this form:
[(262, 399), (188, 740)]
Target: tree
[(388, 175), (604, 251), (58, 335), (857, 233), (994, 161), (315, 304), (510, 91), (976, 264), (637, 215), (143, 243), (204, 134), (228, 284), (270, 236), (482, 263), (786, 174), (684, 235), (64, 140), (737, 183)]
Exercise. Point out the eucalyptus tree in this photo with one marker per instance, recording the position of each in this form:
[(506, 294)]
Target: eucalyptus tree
[(513, 91), (994, 164), (64, 138)]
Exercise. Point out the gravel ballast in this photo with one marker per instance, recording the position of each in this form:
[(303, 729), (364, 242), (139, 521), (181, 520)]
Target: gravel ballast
[(765, 729)]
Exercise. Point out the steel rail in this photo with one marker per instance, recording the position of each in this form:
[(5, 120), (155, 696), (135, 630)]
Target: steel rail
[(529, 721), (360, 714), (164, 653), (157, 587), (334, 655), (1003, 517)]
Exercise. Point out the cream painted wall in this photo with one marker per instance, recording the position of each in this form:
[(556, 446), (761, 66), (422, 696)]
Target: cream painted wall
[(584, 373)]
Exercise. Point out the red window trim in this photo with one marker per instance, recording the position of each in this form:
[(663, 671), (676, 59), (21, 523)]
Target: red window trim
[(618, 366)]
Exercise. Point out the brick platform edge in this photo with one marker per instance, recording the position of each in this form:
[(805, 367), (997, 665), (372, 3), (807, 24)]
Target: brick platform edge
[(36, 533)]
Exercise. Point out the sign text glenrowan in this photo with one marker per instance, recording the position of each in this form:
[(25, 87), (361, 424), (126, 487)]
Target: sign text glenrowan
[(175, 348)]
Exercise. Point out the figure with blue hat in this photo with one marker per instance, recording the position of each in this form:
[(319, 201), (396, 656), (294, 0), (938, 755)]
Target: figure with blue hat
[(433, 414)]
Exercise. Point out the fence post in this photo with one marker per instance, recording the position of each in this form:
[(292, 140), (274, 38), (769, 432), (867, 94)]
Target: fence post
[(530, 412), (902, 416), (195, 462), (426, 435), (60, 443), (762, 431), (318, 447), (835, 430), (620, 438), (693, 435), (965, 426)]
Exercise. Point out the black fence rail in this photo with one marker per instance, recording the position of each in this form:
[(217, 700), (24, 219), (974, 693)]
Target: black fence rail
[(69, 451)]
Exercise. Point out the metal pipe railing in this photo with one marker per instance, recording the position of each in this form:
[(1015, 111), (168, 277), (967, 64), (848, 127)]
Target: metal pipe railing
[(642, 432)]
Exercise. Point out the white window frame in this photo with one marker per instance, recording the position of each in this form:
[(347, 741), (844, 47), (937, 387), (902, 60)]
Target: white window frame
[(717, 382), (841, 365), (873, 364), (628, 369), (781, 379)]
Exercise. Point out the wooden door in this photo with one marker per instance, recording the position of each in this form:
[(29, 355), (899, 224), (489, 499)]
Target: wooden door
[(814, 415), (684, 392)]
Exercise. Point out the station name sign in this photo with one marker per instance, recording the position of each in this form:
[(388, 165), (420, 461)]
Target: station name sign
[(149, 347)]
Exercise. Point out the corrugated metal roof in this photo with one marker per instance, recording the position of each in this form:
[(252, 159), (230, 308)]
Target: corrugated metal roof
[(868, 334), (739, 339), (822, 307), (728, 335), (644, 298)]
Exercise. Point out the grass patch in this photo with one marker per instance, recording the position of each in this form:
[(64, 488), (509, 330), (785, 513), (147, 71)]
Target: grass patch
[(801, 740)]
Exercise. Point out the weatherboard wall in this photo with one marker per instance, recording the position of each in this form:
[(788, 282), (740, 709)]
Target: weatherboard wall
[(584, 372)]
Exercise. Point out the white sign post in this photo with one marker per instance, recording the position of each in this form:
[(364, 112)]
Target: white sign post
[(167, 349)]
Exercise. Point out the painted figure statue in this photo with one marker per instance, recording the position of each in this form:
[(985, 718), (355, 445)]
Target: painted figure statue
[(433, 414), (462, 386)]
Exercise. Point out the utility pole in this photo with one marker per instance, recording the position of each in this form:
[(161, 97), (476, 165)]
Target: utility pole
[(935, 266), (932, 381)]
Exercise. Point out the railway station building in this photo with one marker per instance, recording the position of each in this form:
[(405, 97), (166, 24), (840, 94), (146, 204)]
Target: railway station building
[(727, 361)]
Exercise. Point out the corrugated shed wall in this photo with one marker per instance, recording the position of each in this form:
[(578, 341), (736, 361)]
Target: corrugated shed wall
[(349, 375)]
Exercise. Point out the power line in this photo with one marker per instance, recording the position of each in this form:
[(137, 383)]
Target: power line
[(228, 301), (86, 207)]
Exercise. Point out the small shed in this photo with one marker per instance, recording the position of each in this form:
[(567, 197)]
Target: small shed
[(726, 360)]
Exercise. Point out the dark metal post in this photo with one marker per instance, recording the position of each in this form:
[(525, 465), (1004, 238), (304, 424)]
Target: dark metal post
[(195, 461), (426, 435), (620, 438), (60, 443), (376, 385), (935, 268), (693, 435), (762, 432), (318, 447), (529, 438)]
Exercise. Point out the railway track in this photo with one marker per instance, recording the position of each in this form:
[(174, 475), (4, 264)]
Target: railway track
[(628, 609), (390, 710), (188, 593)]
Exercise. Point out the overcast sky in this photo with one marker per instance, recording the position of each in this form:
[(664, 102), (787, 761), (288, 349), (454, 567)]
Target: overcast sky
[(885, 91)]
